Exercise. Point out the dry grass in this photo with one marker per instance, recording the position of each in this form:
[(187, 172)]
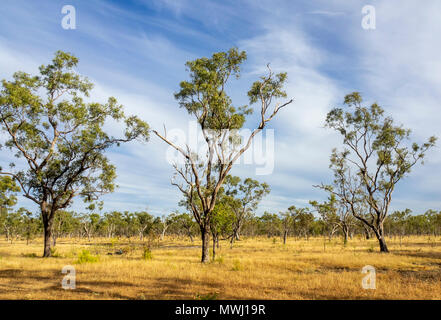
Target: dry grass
[(253, 269)]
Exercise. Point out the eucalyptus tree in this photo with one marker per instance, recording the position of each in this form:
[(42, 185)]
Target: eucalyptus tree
[(31, 224), (90, 223), (12, 223), (287, 223), (397, 222), (111, 223), (186, 224), (377, 155), (8, 198), (163, 223), (61, 137), (204, 97), (434, 221), (328, 211), (302, 220), (270, 224), (221, 223), (336, 215), (222, 216), (417, 225), (247, 195), (65, 223), (129, 222), (143, 223)]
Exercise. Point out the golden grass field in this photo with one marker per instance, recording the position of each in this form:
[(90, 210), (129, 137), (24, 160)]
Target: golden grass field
[(258, 268)]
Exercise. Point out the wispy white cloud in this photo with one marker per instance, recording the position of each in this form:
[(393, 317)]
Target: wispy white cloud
[(326, 13)]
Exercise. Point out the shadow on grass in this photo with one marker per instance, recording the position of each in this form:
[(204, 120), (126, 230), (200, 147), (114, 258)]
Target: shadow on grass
[(430, 255), (18, 275)]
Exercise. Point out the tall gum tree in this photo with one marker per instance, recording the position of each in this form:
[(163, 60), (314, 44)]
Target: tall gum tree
[(377, 155), (60, 137), (204, 97)]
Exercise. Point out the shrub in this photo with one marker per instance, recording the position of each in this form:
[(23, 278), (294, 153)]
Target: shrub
[(208, 296), (220, 260), (147, 254), (30, 255), (113, 242), (54, 253), (236, 265), (85, 256)]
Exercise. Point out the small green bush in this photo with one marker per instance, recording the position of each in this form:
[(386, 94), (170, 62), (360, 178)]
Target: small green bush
[(113, 242), (220, 260), (208, 296), (147, 254), (86, 257), (54, 253), (30, 255), (236, 265)]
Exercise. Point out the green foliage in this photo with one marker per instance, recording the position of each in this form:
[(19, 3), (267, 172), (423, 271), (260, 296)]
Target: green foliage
[(64, 222), (204, 97), (269, 224), (183, 224), (268, 88), (207, 90), (59, 137), (144, 223), (147, 254), (237, 266), (220, 260), (375, 145), (332, 211), (207, 296), (54, 253), (222, 217), (113, 242), (377, 155), (303, 220), (8, 188), (238, 201), (86, 257)]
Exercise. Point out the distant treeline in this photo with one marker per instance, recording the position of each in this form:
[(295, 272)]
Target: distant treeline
[(23, 225)]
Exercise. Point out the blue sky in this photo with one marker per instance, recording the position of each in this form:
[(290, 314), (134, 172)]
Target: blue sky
[(136, 51)]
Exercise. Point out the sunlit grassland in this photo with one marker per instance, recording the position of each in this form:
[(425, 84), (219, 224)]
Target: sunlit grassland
[(256, 268)]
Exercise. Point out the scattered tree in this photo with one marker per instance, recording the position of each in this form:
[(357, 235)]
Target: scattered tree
[(204, 97), (60, 137), (375, 158)]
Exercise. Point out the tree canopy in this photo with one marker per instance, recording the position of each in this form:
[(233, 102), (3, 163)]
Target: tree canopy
[(61, 136)]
